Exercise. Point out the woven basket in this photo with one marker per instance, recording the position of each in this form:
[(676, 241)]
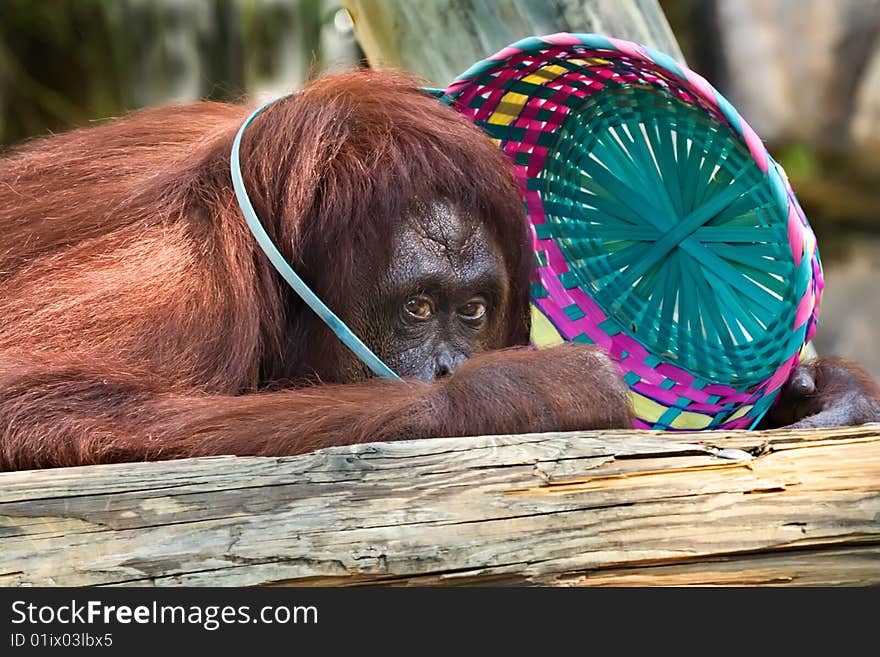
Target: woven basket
[(664, 231)]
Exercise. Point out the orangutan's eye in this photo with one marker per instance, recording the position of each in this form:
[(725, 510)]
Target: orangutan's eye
[(474, 310), (419, 307)]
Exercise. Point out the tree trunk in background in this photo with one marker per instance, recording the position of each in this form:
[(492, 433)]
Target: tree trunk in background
[(808, 72), (439, 40), (802, 69)]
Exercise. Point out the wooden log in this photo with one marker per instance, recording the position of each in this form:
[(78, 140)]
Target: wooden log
[(439, 40), (582, 508)]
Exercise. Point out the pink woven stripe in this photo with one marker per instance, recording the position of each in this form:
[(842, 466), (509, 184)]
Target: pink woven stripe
[(805, 307), (756, 146), (616, 352), (539, 156), (554, 289), (559, 319), (627, 343), (781, 375), (493, 90), (700, 85), (811, 327), (795, 234), (463, 103), (504, 53), (728, 395), (561, 39), (676, 374), (556, 261), (634, 363), (697, 396), (694, 394), (708, 409), (568, 328), (629, 48), (588, 305), (586, 85), (559, 297), (818, 278), (695, 90), (645, 372), (741, 423), (535, 208), (455, 85), (666, 397)]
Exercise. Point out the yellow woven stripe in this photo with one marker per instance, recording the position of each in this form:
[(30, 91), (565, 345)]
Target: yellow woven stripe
[(511, 104), (644, 408), (544, 334), (809, 244), (650, 411), (691, 420), (739, 413), (544, 74), (509, 108), (589, 62), (808, 353)]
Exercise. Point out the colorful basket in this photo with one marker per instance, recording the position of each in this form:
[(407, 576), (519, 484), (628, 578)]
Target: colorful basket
[(664, 231)]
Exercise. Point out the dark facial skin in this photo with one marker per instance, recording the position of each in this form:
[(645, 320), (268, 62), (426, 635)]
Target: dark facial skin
[(828, 392), (442, 299), (446, 294)]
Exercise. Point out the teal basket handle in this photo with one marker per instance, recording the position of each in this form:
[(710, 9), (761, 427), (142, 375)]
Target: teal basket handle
[(345, 334)]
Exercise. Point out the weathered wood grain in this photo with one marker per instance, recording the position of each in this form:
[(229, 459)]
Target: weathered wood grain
[(584, 508), (439, 40)]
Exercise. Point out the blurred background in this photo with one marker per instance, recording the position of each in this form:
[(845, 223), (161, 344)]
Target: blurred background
[(804, 73)]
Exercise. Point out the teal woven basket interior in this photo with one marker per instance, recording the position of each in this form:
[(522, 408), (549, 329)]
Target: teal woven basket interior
[(664, 216), (663, 230)]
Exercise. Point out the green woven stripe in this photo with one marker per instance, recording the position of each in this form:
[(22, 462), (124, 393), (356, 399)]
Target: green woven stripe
[(610, 328), (658, 208), (667, 222), (573, 312), (568, 280)]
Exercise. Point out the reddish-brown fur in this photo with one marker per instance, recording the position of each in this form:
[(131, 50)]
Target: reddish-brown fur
[(140, 320), (829, 391)]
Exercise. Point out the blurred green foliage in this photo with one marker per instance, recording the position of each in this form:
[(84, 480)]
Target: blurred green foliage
[(800, 160), (59, 65), (838, 187), (65, 63), (68, 63)]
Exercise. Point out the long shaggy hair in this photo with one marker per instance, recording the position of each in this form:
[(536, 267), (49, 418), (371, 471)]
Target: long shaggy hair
[(123, 244), (141, 321)]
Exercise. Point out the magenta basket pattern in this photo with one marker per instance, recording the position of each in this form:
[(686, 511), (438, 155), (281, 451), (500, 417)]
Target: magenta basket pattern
[(664, 230)]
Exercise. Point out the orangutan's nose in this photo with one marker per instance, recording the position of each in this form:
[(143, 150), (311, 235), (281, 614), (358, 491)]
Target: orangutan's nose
[(802, 383), (447, 362)]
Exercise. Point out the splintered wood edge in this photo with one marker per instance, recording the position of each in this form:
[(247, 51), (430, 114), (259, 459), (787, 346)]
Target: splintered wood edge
[(751, 442), (571, 509)]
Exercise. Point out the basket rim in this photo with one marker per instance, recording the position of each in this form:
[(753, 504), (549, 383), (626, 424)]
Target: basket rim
[(462, 91), (593, 42)]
